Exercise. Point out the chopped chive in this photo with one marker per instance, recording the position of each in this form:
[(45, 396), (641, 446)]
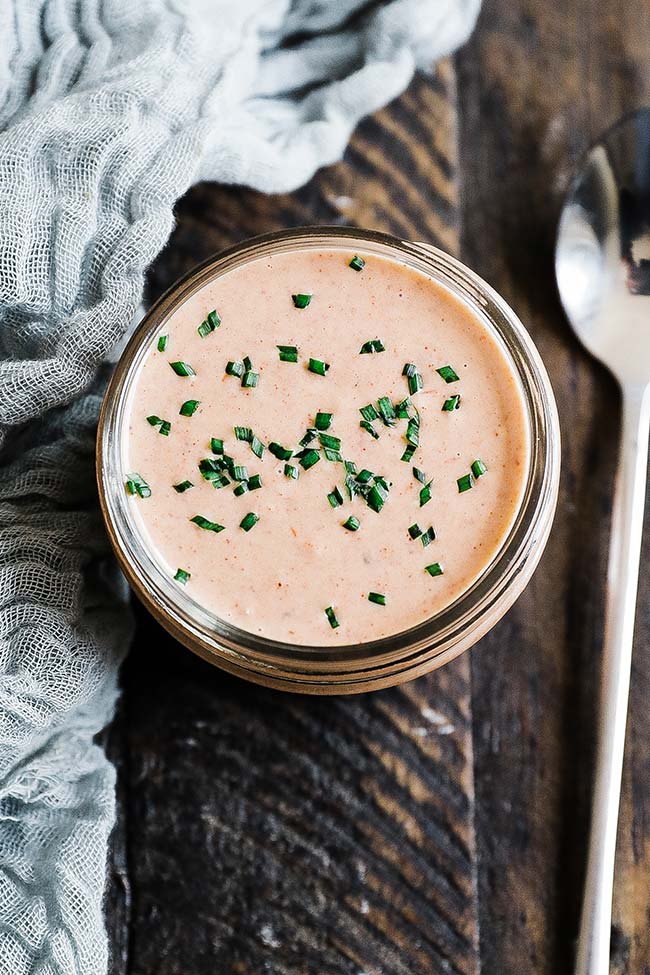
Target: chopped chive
[(254, 482), (206, 524), (372, 345), (248, 365), (364, 476), (335, 498), (318, 366), (415, 531), (183, 486), (369, 413), (257, 447), (428, 536), (357, 263), (350, 467), (408, 454), (402, 409), (209, 466), (478, 468), (310, 433), (241, 489), (309, 458), (413, 432), (189, 407), (435, 569), (386, 410), (220, 481), (323, 421), (165, 427), (243, 433), (250, 379), (136, 484), (448, 374), (182, 576), (377, 597), (327, 440), (419, 475), (249, 520), (352, 524), (453, 403), (211, 323), (465, 483), (239, 472), (331, 616), (425, 494), (282, 453), (154, 420), (413, 376), (334, 456), (182, 368), (235, 369), (287, 353), (377, 496), (301, 301), (369, 427), (382, 480), (162, 342), (291, 472), (216, 445)]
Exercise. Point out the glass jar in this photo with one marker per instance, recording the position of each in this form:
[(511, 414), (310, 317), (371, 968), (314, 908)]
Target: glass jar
[(402, 656)]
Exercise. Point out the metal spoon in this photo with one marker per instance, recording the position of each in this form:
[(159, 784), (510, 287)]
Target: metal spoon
[(602, 265)]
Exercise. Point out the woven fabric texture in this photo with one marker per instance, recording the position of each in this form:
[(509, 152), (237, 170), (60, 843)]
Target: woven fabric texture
[(109, 111)]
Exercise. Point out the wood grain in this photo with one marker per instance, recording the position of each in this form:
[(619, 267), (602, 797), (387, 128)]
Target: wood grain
[(271, 833), (538, 82)]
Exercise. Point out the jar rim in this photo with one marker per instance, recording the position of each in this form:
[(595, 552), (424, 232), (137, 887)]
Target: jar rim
[(400, 656)]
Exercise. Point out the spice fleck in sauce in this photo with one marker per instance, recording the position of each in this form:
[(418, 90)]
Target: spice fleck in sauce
[(292, 557)]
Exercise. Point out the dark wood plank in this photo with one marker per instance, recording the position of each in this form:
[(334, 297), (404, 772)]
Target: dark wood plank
[(288, 835), (538, 82)]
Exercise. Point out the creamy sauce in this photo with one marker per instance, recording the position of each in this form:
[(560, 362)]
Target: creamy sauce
[(278, 578)]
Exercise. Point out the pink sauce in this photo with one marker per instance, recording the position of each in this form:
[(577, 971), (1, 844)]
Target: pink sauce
[(279, 578)]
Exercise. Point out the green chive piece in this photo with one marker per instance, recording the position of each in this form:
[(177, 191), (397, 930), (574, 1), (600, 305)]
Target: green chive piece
[(377, 597), (465, 483), (364, 476), (254, 482), (334, 456), (335, 498), (448, 374), (209, 466), (318, 366), (372, 345), (323, 421), (413, 376), (220, 481), (419, 475), (183, 486), (415, 531), (425, 494), (249, 520), (365, 425), (357, 263), (165, 427), (310, 433), (428, 536), (309, 458), (282, 453), (243, 433), (154, 420), (413, 431), (287, 353), (162, 342), (291, 472), (241, 489), (206, 524), (216, 445), (478, 468), (408, 454), (211, 323), (453, 403), (352, 524), (257, 447), (331, 616), (386, 410), (301, 301), (377, 496), (369, 413), (435, 569), (239, 472), (248, 365), (327, 440), (250, 379), (235, 369), (136, 484), (350, 467), (402, 409), (182, 368), (189, 407), (182, 576)]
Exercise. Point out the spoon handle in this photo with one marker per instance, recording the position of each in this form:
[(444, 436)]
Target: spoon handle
[(622, 581)]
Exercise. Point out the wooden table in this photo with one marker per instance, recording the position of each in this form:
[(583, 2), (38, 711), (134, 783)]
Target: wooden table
[(439, 827)]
